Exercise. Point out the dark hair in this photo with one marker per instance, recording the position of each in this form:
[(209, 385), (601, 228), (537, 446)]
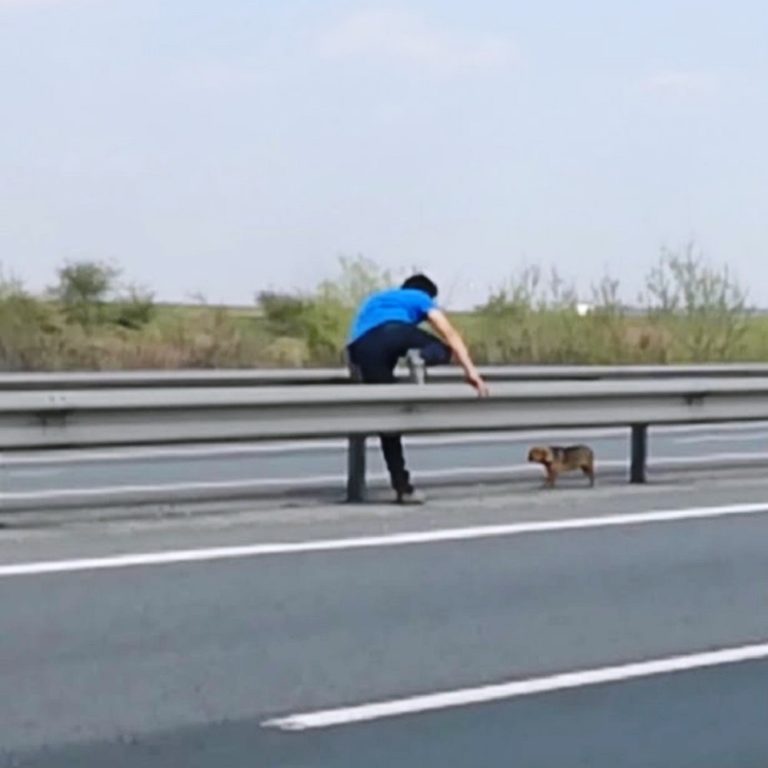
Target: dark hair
[(421, 283)]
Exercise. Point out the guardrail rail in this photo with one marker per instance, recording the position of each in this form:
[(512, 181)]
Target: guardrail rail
[(49, 419), (329, 376)]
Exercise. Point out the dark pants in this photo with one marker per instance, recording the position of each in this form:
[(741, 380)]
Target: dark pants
[(376, 354)]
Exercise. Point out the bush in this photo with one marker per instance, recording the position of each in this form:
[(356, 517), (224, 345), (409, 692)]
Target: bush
[(322, 319), (83, 289), (691, 312), (529, 320), (703, 307), (30, 334), (284, 314), (357, 278), (135, 310)]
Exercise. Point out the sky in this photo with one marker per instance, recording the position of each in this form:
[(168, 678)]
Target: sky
[(223, 148)]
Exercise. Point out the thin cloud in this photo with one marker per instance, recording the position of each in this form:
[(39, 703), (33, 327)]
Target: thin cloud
[(684, 82), (220, 76), (31, 3), (37, 4), (407, 38)]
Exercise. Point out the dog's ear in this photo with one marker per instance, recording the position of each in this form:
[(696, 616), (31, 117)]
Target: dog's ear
[(540, 454), (548, 455)]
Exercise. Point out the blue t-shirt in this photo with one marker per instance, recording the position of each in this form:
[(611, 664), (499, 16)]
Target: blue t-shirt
[(401, 305)]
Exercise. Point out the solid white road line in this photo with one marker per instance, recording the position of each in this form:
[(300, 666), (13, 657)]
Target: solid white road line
[(113, 492), (510, 690), (390, 540), (732, 437), (732, 457), (512, 471), (116, 491), (250, 449)]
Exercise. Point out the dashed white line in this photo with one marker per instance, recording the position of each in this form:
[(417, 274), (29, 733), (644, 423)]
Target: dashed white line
[(371, 542), (515, 689)]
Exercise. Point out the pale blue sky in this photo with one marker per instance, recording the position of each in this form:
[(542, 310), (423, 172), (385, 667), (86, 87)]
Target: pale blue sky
[(226, 147)]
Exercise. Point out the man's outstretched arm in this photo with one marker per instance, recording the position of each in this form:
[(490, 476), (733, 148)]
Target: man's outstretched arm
[(440, 322)]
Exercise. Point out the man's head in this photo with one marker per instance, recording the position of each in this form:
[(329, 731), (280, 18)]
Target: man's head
[(421, 283)]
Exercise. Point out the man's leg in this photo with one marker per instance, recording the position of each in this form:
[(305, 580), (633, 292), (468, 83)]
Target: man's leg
[(392, 448), (391, 444), (376, 363), (405, 340), (433, 351)]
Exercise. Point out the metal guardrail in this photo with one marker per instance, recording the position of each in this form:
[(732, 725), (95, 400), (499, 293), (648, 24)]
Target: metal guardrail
[(131, 417), (330, 376)]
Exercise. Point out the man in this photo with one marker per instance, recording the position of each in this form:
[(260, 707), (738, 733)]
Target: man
[(386, 329)]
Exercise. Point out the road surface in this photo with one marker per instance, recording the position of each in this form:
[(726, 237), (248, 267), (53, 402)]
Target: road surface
[(210, 645), (41, 476)]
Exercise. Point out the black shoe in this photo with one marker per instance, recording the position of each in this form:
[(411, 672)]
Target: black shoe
[(411, 498)]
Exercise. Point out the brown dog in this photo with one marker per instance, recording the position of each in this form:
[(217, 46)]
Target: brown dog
[(557, 459)]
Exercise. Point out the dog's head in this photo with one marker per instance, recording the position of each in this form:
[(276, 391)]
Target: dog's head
[(540, 455)]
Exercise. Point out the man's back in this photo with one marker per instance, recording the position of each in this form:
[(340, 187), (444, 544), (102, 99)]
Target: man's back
[(399, 305)]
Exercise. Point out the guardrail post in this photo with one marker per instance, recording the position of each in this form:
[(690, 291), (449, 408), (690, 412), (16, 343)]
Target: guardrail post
[(637, 472), (356, 453), (356, 456)]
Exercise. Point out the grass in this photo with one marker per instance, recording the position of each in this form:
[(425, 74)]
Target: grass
[(693, 313)]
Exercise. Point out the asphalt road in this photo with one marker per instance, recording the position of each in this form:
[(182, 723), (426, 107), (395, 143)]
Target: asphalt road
[(185, 663), (307, 465)]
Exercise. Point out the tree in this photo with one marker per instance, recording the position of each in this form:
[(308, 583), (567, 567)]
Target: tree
[(83, 289)]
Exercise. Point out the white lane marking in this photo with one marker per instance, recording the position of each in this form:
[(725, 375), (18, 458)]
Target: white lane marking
[(515, 689), (114, 491), (390, 540), (315, 481), (708, 458), (141, 454), (196, 452), (726, 438), (209, 451), (320, 481), (728, 426), (30, 472)]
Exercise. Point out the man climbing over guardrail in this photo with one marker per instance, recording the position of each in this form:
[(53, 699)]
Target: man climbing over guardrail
[(386, 329)]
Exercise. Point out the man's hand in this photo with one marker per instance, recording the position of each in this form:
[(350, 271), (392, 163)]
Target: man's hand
[(445, 328), (478, 383)]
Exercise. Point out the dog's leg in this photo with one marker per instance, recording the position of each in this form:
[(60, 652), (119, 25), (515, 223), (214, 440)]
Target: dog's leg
[(589, 471)]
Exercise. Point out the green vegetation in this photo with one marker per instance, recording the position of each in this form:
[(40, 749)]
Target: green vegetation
[(690, 311)]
